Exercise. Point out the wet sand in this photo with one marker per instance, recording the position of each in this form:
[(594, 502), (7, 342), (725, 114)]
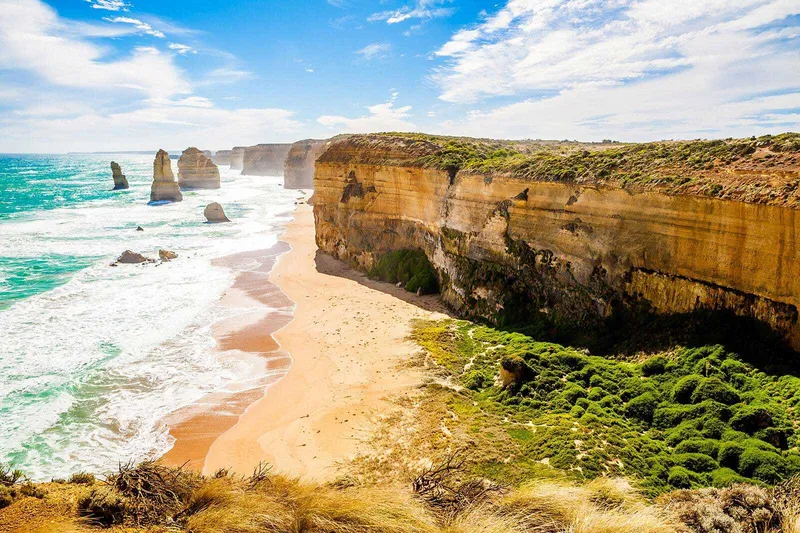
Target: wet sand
[(347, 341)]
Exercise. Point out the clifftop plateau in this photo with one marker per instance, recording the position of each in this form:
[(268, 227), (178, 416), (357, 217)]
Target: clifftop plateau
[(754, 170)]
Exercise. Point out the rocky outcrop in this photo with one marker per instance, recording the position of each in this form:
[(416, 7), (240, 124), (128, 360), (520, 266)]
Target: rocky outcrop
[(576, 233), (120, 181), (237, 157), (131, 258), (222, 157), (164, 187), (167, 255), (197, 171), (265, 159), (298, 172), (214, 213)]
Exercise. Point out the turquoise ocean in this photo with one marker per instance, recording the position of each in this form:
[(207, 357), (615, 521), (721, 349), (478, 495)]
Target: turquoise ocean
[(93, 357)]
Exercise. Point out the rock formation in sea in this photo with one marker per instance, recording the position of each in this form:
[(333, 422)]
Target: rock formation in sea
[(131, 258), (214, 213), (197, 171), (164, 185), (166, 255), (208, 153), (576, 233), (222, 157), (120, 181), (237, 157), (265, 159), (299, 168)]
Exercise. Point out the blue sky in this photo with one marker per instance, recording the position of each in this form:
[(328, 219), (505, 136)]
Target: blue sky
[(141, 74)]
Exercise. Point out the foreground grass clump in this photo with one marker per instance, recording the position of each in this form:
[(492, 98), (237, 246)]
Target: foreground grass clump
[(694, 417), (154, 498), (409, 267)]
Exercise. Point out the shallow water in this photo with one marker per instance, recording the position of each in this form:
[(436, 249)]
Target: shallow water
[(93, 357)]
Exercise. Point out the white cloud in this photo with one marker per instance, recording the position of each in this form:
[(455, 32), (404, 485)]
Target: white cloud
[(225, 76), (552, 45), (109, 5), (34, 38), (182, 49), (422, 9), (629, 69), (185, 122), (374, 50), (138, 24), (382, 117)]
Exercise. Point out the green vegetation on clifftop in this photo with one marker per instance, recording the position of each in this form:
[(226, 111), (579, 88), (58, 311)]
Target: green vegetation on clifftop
[(689, 418)]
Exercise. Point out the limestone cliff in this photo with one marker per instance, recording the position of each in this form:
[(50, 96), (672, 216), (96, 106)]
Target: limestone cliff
[(237, 157), (164, 185), (573, 231), (222, 157), (120, 181), (298, 172), (265, 159), (197, 171)]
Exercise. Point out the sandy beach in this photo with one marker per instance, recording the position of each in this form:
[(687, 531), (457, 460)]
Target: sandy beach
[(346, 340)]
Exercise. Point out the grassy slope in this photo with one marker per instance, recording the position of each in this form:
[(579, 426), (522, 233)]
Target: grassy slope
[(757, 170), (688, 418)]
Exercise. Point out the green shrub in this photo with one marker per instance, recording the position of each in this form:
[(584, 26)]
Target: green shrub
[(680, 478), (642, 407), (708, 447), (713, 428), (6, 497), (714, 389), (729, 453), (725, 477), (697, 462), (684, 388), (681, 433), (761, 464), (572, 393), (409, 267), (655, 365)]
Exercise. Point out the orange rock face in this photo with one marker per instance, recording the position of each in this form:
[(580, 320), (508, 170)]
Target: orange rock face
[(504, 245), (299, 170)]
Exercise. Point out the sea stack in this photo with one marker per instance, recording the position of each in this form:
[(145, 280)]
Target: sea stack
[(197, 171), (214, 213), (164, 185), (120, 181)]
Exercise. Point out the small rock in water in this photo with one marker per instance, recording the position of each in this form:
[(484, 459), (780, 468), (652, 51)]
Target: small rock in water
[(120, 182), (214, 213), (139, 228), (166, 255), (131, 258)]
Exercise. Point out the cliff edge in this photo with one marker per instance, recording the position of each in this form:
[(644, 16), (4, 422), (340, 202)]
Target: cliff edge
[(575, 232), (298, 172), (265, 159)]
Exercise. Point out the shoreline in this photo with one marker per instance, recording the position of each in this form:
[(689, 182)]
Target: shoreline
[(347, 339), (247, 335)]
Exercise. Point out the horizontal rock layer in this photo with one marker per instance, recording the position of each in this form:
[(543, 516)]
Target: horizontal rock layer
[(265, 159), (505, 245), (197, 171), (299, 168)]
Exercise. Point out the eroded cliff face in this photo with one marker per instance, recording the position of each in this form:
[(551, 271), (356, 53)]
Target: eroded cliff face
[(237, 157), (298, 172), (222, 157), (571, 250), (265, 159)]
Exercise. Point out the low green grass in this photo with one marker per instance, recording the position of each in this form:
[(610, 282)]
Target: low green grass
[(409, 267), (689, 418)]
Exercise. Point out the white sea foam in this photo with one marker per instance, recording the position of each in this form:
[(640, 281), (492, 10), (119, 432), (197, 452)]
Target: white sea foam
[(89, 370)]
